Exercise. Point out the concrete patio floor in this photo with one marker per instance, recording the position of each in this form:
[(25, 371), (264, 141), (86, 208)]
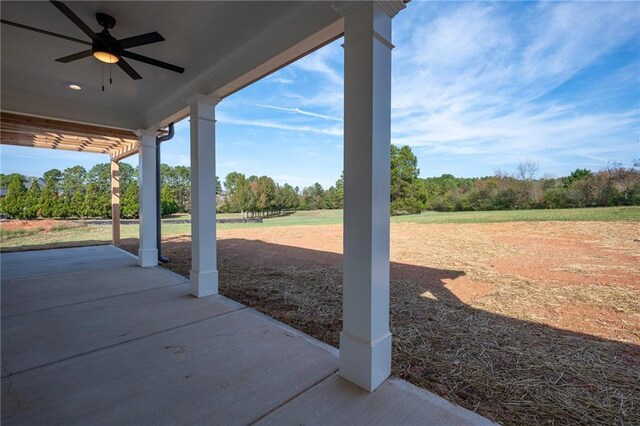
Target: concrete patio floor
[(90, 338)]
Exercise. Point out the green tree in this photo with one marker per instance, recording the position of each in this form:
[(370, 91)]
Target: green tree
[(218, 186), (312, 197), (404, 173), (54, 174), (239, 192), (14, 202), (5, 180), (73, 180), (178, 178), (127, 174), (130, 201), (577, 175), (95, 203), (340, 192), (167, 201), (555, 198), (31, 209), (49, 200), (100, 175), (75, 204)]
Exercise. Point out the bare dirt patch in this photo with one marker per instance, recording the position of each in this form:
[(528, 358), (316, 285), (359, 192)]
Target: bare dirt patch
[(523, 322), (44, 225)]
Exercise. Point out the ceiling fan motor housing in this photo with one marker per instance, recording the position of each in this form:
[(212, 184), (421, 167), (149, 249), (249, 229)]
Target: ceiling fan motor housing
[(106, 21)]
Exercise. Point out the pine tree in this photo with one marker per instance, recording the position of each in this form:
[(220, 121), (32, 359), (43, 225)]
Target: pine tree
[(75, 205), (130, 202), (14, 202), (49, 202), (31, 209), (95, 203)]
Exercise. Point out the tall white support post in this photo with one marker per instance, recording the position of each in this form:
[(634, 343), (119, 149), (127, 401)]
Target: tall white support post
[(365, 341), (204, 272), (148, 251)]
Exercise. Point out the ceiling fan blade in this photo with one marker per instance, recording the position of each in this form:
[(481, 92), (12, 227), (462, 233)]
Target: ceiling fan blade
[(140, 40), (128, 69), (152, 61), (75, 56), (49, 33), (74, 18)]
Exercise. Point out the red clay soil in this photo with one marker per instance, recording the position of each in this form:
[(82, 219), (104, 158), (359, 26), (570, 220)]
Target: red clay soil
[(524, 322)]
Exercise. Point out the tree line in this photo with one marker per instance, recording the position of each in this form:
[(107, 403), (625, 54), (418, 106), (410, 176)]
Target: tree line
[(78, 193), (614, 185)]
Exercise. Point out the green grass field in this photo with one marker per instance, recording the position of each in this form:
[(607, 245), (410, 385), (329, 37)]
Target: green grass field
[(600, 214), (28, 239)]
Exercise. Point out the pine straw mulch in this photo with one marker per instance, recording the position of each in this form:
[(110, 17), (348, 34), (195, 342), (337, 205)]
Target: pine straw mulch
[(491, 356), (515, 372)]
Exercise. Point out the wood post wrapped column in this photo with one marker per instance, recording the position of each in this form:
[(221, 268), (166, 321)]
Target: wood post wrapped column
[(365, 341), (148, 251), (204, 272)]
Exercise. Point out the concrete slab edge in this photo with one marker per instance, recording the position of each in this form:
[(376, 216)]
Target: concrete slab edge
[(473, 418), (297, 333)]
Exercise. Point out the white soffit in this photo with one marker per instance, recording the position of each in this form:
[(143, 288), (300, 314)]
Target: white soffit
[(222, 45)]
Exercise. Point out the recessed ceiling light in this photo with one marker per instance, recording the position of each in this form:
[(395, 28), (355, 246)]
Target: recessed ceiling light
[(74, 86)]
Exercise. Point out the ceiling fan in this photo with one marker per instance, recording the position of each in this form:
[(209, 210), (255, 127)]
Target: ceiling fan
[(104, 47)]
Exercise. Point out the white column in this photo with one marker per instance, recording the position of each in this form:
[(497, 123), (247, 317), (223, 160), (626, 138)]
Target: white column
[(365, 341), (204, 272), (115, 202), (148, 252)]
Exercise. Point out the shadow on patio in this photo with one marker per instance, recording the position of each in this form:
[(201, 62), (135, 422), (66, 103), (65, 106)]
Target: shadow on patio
[(88, 337), (508, 369)]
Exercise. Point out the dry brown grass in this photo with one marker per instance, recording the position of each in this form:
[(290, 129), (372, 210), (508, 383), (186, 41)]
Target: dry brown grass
[(494, 317)]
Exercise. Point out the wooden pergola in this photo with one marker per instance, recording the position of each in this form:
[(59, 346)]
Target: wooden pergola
[(37, 132)]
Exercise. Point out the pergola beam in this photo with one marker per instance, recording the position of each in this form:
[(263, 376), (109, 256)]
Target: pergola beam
[(29, 131), (115, 202)]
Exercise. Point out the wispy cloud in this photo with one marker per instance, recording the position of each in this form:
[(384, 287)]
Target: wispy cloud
[(270, 124), (300, 111), (323, 62), (481, 79)]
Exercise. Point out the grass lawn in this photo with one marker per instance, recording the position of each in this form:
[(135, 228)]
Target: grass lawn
[(51, 234), (606, 214)]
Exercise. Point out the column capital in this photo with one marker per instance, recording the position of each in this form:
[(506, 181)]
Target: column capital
[(203, 99), (147, 137), (390, 7)]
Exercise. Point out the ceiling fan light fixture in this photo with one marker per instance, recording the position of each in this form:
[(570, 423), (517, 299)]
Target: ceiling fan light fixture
[(106, 57)]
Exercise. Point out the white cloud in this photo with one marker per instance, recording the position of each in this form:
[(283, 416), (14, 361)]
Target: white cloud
[(300, 111), (322, 62), (476, 79), (269, 124)]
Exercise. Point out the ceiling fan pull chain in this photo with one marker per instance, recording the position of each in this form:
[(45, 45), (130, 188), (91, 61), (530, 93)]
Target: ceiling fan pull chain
[(110, 66), (102, 68)]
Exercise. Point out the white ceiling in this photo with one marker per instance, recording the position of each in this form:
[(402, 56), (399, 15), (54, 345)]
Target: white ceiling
[(222, 45)]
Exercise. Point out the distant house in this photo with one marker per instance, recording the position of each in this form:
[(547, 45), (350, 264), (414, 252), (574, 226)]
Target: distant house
[(27, 184), (40, 181)]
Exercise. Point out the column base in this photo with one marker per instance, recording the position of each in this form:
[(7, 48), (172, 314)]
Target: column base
[(148, 257), (204, 283), (365, 364)]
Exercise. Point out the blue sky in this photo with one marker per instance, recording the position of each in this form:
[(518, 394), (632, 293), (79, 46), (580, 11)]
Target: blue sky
[(477, 87)]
